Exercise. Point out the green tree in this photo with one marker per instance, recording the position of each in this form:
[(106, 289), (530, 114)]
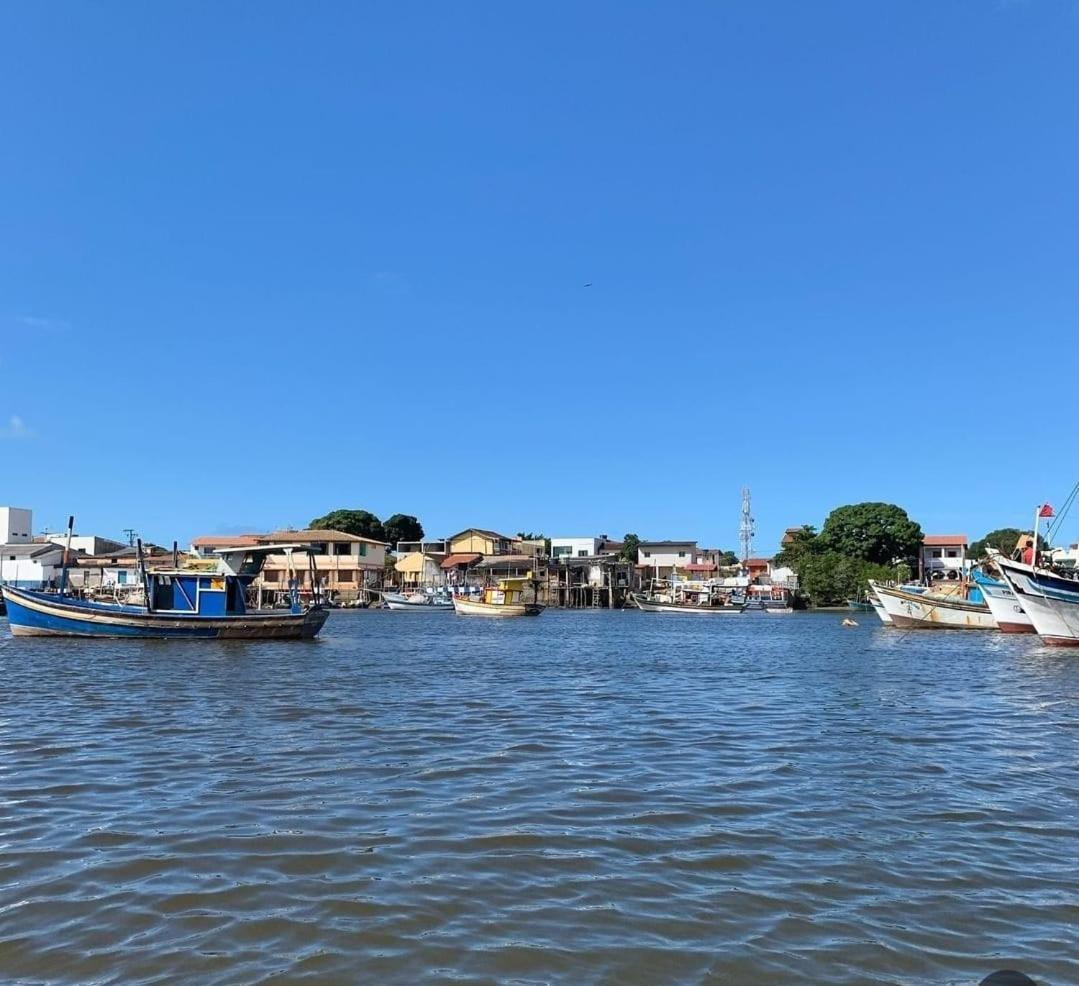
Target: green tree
[(880, 533), (401, 527), (727, 559), (1004, 540), (359, 522), (829, 578), (802, 543), (630, 544)]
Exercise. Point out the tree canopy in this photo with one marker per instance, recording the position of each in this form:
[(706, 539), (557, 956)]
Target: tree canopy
[(630, 544), (359, 522), (879, 533), (401, 527), (1004, 540), (728, 558)]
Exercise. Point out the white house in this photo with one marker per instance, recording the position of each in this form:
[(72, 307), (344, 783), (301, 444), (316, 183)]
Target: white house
[(663, 557), (943, 555), (30, 566), (583, 547), (16, 525)]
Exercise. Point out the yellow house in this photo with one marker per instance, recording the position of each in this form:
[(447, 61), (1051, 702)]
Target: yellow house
[(476, 541)]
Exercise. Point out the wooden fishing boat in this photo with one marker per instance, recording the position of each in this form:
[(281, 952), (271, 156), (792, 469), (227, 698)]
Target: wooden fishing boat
[(1002, 603), (1049, 598), (933, 611), (501, 600), (177, 603), (686, 598)]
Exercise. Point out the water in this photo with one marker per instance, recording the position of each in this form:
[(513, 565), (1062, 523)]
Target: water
[(581, 798)]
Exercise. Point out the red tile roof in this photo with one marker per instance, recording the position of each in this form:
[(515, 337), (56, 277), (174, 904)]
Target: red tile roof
[(452, 561), (938, 540), (758, 562), (700, 566)]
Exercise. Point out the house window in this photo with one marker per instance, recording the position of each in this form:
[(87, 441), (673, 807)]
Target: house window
[(681, 554), (952, 553), (342, 548), (648, 554), (363, 549), (346, 575), (268, 576), (936, 554), (582, 554), (561, 550)]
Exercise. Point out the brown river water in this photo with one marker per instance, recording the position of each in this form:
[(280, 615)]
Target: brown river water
[(581, 798)]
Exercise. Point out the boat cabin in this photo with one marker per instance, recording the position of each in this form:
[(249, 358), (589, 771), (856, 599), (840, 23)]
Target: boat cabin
[(216, 587)]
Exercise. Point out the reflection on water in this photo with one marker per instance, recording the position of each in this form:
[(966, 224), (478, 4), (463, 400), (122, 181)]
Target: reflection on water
[(583, 798)]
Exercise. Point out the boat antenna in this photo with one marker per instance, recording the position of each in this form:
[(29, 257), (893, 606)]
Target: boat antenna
[(67, 555)]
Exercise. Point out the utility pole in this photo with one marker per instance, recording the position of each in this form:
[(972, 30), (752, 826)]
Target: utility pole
[(747, 528), (130, 532)]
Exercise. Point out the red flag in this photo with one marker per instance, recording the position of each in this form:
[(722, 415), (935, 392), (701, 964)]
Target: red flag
[(1046, 511)]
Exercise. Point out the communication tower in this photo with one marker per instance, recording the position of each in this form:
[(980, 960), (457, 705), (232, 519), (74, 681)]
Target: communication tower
[(748, 527)]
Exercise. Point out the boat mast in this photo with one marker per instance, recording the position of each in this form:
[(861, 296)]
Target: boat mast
[(142, 572), (67, 554)]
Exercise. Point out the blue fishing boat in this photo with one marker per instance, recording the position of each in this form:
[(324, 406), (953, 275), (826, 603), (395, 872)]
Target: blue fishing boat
[(178, 602)]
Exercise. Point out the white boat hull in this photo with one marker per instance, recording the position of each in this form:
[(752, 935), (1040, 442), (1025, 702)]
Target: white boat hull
[(915, 612), (1006, 610), (651, 606), (878, 608), (1051, 603)]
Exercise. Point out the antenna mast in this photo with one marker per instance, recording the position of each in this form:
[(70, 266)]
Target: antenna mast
[(747, 528)]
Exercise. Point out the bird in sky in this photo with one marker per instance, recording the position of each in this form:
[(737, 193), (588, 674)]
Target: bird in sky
[(589, 284)]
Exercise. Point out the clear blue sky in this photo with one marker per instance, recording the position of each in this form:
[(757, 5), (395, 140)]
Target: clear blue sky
[(261, 260)]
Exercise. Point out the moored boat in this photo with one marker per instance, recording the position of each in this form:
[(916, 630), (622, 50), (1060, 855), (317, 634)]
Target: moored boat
[(501, 600), (1050, 599), (1002, 603), (932, 610), (878, 607), (416, 602), (689, 598), (177, 603)]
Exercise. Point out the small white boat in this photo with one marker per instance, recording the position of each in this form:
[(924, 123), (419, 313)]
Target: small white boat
[(933, 611), (416, 601), (505, 599)]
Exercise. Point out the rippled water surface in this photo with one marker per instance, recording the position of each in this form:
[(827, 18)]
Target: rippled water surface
[(581, 798)]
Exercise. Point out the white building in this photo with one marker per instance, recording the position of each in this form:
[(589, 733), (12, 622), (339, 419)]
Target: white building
[(663, 557), (88, 544), (943, 555), (575, 547), (30, 566), (16, 525)]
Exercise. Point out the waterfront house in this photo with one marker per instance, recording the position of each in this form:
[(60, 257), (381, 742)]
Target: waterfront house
[(662, 558), (757, 569), (419, 568), (943, 556), (346, 564), (477, 541), (562, 548), (30, 566), (205, 545)]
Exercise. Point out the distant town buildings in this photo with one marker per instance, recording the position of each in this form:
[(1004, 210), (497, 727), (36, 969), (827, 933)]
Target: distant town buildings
[(943, 556)]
